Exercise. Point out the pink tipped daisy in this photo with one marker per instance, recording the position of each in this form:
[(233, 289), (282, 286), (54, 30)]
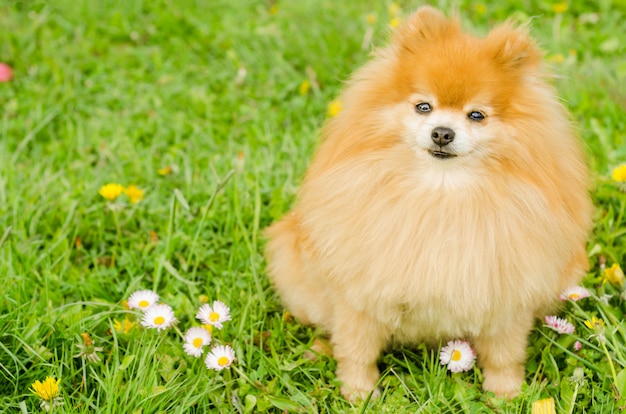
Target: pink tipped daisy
[(559, 325), (575, 293), (195, 339), (142, 299), (458, 356), (214, 315), (159, 317), (220, 357)]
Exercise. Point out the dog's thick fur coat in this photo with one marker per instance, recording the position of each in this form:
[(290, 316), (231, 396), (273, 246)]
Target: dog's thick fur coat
[(394, 239)]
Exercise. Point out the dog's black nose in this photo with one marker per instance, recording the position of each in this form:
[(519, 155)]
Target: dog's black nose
[(442, 136)]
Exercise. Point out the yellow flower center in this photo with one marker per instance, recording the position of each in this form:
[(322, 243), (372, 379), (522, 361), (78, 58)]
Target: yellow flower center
[(197, 342), (574, 296), (456, 355), (159, 320), (223, 361), (214, 316), (143, 303)]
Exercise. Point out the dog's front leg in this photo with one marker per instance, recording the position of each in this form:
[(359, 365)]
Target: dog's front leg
[(501, 356), (358, 340)]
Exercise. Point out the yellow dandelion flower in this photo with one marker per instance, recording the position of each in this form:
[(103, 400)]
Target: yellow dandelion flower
[(134, 194), (274, 9), (395, 22), (560, 8), (595, 323), (334, 108), (287, 317), (304, 88), (480, 8), (545, 406), (203, 298), (614, 275), (393, 9), (47, 390), (556, 58), (167, 170), (619, 173), (371, 18), (124, 326), (111, 191)]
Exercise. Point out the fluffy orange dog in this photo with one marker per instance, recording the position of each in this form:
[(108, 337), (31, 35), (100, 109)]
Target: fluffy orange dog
[(447, 200)]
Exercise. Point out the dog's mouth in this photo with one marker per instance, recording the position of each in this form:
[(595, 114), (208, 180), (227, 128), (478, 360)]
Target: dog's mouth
[(442, 155)]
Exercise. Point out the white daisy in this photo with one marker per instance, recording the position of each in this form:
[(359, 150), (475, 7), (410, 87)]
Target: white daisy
[(559, 325), (158, 316), (458, 356), (575, 293), (214, 315), (220, 357), (195, 339), (142, 299)]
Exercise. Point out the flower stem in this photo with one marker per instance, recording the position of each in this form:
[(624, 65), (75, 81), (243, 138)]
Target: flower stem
[(179, 332), (613, 373), (573, 403), (82, 359), (244, 376)]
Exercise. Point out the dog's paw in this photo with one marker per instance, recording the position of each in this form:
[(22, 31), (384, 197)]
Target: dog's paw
[(505, 383), (354, 395), (358, 381)]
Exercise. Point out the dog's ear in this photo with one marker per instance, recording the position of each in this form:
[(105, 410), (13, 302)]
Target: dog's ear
[(425, 25), (512, 47)]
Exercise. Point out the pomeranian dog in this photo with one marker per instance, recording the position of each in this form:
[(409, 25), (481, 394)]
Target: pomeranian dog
[(447, 200)]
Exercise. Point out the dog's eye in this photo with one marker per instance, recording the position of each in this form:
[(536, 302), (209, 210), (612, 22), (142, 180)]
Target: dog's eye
[(476, 116), (423, 107)]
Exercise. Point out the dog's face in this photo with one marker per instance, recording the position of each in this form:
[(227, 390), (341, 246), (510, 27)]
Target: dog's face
[(461, 90), (453, 96), (448, 133)]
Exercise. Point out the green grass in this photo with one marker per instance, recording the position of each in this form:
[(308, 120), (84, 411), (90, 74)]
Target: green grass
[(112, 91)]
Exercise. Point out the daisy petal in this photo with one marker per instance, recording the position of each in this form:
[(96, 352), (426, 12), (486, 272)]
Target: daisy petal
[(142, 299), (214, 315), (159, 317), (220, 357), (458, 356), (559, 325), (195, 340), (575, 293)]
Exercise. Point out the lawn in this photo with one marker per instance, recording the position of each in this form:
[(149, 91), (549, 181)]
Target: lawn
[(207, 113)]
